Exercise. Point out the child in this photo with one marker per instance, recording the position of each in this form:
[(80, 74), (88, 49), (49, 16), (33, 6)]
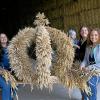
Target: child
[(72, 35)]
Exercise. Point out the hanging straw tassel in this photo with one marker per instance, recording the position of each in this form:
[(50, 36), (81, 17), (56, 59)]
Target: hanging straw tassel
[(43, 54)]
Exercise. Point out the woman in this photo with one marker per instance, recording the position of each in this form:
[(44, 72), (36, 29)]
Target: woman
[(84, 31), (92, 61), (4, 64), (4, 61)]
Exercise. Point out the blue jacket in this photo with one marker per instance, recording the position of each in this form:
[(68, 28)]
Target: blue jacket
[(96, 52), (4, 63)]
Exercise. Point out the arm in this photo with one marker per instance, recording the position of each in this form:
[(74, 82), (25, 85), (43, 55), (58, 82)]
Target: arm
[(94, 67), (76, 46), (84, 62)]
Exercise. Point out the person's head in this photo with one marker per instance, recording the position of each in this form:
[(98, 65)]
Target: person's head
[(72, 33), (94, 37), (3, 39), (84, 31)]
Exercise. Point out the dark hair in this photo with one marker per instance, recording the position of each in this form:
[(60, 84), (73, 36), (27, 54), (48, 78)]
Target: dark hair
[(1, 51), (7, 38), (1, 48), (80, 30), (88, 40)]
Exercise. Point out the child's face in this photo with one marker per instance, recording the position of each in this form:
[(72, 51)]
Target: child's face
[(73, 35)]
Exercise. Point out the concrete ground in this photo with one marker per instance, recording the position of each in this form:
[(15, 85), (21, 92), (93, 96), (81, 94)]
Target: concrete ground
[(58, 93)]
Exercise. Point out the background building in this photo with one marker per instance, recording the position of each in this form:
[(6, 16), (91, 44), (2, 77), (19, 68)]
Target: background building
[(63, 14)]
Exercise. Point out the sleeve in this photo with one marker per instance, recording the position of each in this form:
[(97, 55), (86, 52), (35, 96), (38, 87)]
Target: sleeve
[(94, 66), (84, 62)]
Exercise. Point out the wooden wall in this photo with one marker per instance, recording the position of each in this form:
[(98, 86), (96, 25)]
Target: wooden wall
[(82, 12), (65, 14)]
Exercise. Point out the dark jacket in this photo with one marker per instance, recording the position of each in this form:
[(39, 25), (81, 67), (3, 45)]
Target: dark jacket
[(81, 52)]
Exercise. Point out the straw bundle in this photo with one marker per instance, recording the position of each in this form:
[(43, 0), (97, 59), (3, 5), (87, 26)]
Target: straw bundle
[(68, 74), (8, 78), (65, 53), (19, 59), (46, 71), (43, 54)]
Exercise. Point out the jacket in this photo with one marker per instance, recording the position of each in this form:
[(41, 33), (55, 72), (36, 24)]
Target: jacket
[(96, 52)]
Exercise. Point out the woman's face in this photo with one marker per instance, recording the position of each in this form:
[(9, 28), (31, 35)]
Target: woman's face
[(3, 38), (94, 36), (84, 32)]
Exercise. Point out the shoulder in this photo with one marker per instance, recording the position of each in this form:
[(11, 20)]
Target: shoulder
[(99, 45), (88, 47)]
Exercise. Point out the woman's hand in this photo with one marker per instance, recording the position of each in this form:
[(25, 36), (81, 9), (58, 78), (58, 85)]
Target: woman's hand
[(85, 69), (76, 46), (1, 70)]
